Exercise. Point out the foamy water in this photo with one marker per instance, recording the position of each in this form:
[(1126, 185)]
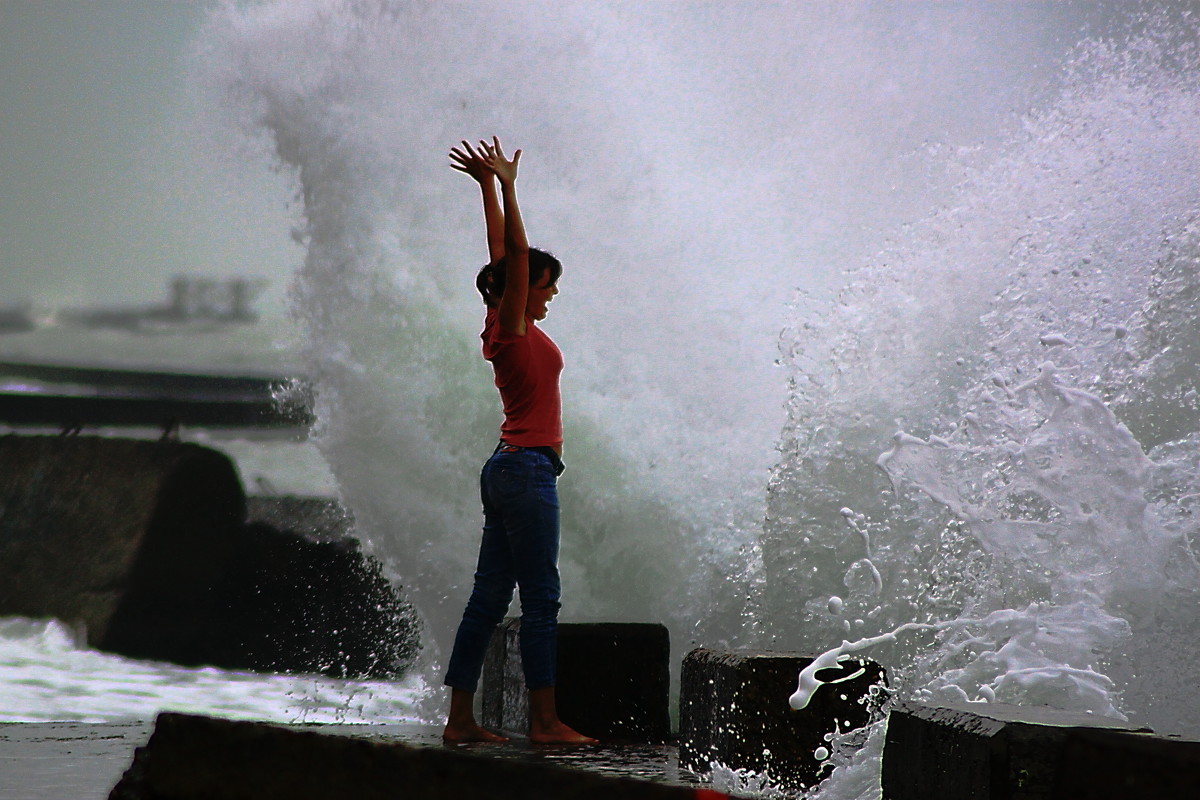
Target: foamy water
[(46, 677), (1011, 424)]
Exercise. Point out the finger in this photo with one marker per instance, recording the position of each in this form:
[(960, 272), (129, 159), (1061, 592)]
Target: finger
[(499, 149), (487, 148), (516, 157), (460, 169), (469, 150)]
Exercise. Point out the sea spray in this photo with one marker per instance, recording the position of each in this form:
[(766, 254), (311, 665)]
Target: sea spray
[(1069, 245), (1031, 523), (405, 407)]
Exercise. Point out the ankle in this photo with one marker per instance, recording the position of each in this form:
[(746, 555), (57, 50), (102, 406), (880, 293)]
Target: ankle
[(462, 708), (543, 710)]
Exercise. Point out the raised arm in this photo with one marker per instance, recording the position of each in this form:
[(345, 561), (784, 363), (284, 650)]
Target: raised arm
[(470, 162), (516, 246)]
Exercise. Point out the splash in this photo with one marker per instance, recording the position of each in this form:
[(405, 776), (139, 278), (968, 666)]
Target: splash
[(1030, 523), (1033, 340), (360, 102)]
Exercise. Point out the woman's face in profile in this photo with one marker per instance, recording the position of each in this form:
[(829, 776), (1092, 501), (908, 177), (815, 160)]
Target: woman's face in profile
[(539, 296)]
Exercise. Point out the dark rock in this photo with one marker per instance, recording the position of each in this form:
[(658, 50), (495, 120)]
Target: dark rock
[(143, 544), (199, 758), (293, 605), (614, 680), (733, 709), (992, 750)]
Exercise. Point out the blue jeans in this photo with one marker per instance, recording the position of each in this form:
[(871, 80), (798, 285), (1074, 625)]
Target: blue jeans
[(519, 549)]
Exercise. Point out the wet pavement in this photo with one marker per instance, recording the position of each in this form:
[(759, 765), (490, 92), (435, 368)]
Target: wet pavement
[(66, 760), (83, 761)]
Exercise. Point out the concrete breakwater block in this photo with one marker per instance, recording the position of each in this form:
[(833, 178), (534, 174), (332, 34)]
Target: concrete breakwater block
[(144, 547), (614, 680), (992, 750), (200, 758), (733, 709), (99, 532)]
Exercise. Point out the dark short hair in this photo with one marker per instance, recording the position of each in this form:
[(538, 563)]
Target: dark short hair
[(490, 280)]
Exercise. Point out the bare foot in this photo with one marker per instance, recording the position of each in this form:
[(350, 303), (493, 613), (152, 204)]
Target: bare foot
[(458, 734), (558, 733)]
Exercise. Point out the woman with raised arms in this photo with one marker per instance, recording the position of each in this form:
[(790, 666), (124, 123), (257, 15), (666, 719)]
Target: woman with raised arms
[(518, 484)]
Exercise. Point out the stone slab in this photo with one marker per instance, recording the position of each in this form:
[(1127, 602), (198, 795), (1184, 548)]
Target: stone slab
[(614, 680), (991, 750), (733, 709), (201, 758)]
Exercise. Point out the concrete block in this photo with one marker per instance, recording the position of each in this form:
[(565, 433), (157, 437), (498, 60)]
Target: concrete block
[(614, 680), (86, 522), (144, 547), (992, 750), (1099, 765), (733, 709), (201, 758)]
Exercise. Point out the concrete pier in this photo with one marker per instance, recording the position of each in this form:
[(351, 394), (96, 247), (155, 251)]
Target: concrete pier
[(78, 397), (201, 758), (66, 760)]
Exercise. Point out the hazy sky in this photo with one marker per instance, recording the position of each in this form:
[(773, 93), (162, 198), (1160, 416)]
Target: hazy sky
[(108, 189), (108, 186)]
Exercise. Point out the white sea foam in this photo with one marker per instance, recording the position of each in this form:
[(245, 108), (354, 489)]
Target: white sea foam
[(45, 675), (1028, 521)]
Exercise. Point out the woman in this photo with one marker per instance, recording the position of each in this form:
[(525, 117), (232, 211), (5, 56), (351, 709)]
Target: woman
[(518, 483)]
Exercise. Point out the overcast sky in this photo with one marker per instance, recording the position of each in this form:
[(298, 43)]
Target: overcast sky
[(108, 189)]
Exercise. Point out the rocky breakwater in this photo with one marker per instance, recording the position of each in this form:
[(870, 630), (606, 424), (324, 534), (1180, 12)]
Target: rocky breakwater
[(149, 550)]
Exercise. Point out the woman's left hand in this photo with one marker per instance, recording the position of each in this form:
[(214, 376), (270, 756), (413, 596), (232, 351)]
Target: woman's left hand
[(493, 156)]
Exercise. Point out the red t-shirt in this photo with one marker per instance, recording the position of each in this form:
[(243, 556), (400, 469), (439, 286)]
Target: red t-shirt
[(527, 369)]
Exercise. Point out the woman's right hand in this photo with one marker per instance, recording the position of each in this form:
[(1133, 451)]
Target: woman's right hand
[(493, 156), (470, 162)]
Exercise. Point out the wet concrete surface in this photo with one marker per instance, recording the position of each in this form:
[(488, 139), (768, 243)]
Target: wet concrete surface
[(83, 761), (66, 760)]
